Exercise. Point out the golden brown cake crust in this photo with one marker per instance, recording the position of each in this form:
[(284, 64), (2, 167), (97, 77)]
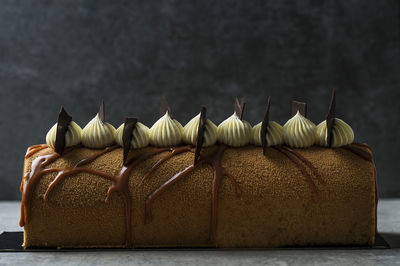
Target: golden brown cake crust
[(275, 208)]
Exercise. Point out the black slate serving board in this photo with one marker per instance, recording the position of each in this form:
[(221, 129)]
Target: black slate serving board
[(12, 242)]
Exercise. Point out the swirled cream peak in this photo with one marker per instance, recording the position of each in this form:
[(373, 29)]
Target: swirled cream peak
[(342, 134), (274, 134), (166, 132), (98, 134), (140, 136), (191, 128), (73, 135), (234, 132), (299, 132)]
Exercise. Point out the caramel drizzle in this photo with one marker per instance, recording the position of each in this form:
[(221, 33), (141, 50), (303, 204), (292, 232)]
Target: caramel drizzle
[(364, 145), (30, 179), (359, 152), (38, 169), (292, 155), (215, 161), (34, 149), (173, 152), (314, 170), (121, 184), (78, 168), (31, 150)]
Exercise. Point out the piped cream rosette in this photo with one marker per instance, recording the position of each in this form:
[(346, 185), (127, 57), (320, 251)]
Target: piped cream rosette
[(98, 134), (234, 132), (166, 132), (299, 132)]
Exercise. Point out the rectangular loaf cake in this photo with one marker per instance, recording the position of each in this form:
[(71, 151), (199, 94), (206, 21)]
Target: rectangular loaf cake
[(232, 198)]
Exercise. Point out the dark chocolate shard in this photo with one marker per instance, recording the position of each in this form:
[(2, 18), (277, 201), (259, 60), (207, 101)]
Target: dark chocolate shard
[(299, 106), (264, 127), (200, 133), (102, 111), (164, 107), (129, 126), (239, 107), (242, 105), (64, 119), (330, 118)]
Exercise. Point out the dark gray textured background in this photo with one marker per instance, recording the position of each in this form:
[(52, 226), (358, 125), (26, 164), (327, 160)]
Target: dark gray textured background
[(74, 53)]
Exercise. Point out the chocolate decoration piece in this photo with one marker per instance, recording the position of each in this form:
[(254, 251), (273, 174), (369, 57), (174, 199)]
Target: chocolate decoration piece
[(129, 126), (200, 133), (242, 105), (330, 118), (102, 112), (264, 127), (239, 107), (64, 119), (299, 106), (164, 107)]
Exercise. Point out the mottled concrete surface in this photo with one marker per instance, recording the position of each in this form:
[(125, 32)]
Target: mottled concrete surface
[(388, 223), (74, 53)]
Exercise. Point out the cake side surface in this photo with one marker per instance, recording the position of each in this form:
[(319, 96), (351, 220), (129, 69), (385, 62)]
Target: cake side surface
[(276, 206)]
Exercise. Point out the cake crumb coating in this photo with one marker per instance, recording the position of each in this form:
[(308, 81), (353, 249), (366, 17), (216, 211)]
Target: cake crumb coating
[(275, 208)]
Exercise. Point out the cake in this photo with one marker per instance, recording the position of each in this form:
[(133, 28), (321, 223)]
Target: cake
[(199, 185)]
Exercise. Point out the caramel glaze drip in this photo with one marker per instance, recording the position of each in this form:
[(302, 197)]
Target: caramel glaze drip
[(78, 168), (121, 184), (292, 155), (30, 179), (31, 150), (215, 161), (34, 149)]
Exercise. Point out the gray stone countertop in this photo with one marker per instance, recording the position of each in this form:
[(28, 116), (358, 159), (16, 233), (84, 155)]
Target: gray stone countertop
[(388, 226)]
